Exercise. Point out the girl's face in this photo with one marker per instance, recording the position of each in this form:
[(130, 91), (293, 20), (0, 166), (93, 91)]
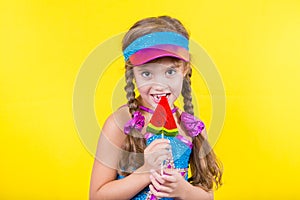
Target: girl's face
[(161, 78)]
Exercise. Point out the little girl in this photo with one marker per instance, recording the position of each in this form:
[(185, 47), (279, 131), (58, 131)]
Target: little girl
[(133, 163)]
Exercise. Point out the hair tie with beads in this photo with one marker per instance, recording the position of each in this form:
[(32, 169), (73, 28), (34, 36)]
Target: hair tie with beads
[(137, 122)]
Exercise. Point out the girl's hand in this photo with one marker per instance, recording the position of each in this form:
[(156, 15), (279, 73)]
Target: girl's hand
[(155, 154), (170, 184)]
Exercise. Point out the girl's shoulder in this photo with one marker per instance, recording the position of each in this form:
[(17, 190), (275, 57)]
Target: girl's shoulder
[(119, 117), (114, 125)]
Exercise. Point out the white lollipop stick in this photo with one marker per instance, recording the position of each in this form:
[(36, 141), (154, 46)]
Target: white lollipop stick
[(162, 163)]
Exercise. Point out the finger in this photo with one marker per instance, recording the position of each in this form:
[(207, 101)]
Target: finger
[(157, 152), (171, 172), (158, 157), (157, 193), (169, 178), (158, 142), (157, 163), (157, 177), (171, 175), (158, 186), (161, 148), (161, 151)]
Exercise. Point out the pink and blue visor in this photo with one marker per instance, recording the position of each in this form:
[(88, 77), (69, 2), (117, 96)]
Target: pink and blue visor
[(157, 45)]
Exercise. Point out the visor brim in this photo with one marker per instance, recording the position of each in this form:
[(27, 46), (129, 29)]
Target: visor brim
[(148, 54)]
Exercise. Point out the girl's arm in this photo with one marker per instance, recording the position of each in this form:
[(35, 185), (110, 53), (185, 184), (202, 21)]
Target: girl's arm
[(103, 183)]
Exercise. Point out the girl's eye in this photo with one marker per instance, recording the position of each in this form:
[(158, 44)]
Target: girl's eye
[(171, 72), (146, 74)]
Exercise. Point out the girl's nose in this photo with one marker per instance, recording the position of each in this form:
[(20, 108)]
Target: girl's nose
[(159, 86), (160, 82)]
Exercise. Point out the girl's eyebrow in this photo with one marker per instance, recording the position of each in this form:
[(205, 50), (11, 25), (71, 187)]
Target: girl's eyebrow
[(149, 67), (172, 66), (142, 69)]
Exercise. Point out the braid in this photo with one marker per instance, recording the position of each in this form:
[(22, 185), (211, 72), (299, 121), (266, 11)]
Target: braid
[(134, 143), (187, 93), (204, 165), (129, 88)]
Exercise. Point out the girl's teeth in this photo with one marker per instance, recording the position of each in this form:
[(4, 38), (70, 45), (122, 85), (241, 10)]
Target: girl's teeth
[(158, 96)]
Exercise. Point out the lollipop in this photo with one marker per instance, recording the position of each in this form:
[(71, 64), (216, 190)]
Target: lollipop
[(162, 121)]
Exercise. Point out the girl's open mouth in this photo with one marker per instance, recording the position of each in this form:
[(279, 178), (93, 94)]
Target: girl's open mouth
[(157, 97)]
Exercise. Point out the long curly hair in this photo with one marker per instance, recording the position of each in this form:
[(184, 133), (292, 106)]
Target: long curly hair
[(205, 167)]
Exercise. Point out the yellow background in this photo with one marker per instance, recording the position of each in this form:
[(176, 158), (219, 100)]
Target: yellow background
[(255, 45)]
